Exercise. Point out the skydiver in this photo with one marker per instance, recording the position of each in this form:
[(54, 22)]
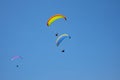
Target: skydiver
[(63, 51), (56, 34), (17, 65)]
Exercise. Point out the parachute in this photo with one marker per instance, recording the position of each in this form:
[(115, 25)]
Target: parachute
[(15, 57), (61, 38), (54, 18)]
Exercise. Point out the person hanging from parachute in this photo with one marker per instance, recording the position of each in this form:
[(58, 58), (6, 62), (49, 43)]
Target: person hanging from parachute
[(60, 39), (15, 58), (17, 65), (56, 34), (63, 50)]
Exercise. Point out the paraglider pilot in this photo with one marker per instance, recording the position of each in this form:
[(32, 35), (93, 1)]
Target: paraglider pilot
[(56, 34), (17, 65), (63, 51)]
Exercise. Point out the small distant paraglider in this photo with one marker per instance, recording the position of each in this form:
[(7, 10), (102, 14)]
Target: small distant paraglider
[(15, 58), (54, 18)]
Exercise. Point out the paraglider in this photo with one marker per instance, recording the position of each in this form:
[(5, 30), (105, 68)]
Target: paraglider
[(61, 38), (15, 58), (54, 18)]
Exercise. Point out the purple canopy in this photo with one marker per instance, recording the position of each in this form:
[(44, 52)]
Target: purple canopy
[(15, 57)]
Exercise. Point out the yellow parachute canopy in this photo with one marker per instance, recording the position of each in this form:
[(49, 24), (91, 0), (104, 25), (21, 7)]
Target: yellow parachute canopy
[(54, 18)]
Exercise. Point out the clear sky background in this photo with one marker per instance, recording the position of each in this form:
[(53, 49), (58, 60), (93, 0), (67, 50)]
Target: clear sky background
[(93, 52)]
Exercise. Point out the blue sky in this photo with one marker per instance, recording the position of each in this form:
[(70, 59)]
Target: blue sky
[(93, 53)]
